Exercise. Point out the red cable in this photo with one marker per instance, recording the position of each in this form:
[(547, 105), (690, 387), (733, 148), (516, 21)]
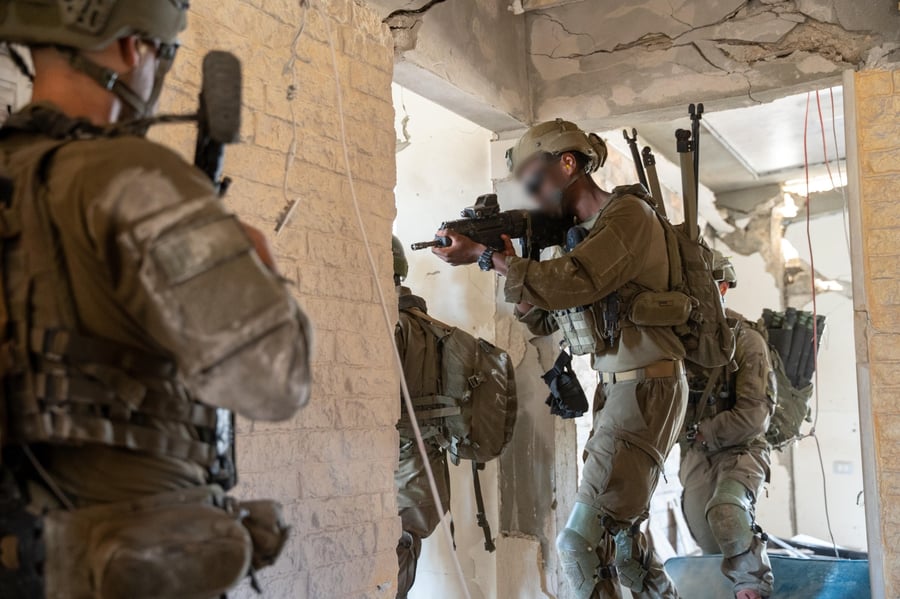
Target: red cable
[(812, 267)]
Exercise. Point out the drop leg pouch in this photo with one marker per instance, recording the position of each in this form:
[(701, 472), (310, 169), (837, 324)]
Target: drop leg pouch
[(178, 545)]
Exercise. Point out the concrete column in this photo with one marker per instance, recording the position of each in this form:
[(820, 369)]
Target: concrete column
[(873, 133)]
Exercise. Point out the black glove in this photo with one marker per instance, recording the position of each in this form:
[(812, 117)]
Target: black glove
[(566, 399)]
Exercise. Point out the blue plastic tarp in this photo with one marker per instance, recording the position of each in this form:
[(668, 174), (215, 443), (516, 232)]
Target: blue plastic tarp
[(795, 578)]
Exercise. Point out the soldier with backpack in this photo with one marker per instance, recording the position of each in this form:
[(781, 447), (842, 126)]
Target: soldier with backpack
[(464, 397), (136, 316), (725, 455), (612, 296), (418, 512)]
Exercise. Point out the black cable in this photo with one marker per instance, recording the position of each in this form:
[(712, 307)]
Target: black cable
[(405, 12)]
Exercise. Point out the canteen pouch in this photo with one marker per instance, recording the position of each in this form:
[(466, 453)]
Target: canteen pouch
[(179, 544), (268, 531), (661, 309)]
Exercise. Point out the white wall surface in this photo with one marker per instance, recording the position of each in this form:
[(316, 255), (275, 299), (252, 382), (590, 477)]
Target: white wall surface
[(838, 425), (442, 170)]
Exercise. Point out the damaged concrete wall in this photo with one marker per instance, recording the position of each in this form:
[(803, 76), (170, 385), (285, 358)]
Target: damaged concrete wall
[(602, 59), (467, 56), (874, 118), (332, 465)]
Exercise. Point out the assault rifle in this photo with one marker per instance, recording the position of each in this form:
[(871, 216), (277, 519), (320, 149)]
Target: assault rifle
[(219, 115), (485, 223)]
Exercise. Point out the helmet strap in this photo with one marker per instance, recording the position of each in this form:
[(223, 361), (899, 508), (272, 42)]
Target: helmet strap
[(109, 80), (560, 192)]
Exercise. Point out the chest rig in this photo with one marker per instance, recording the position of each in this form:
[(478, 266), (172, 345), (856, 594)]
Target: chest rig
[(579, 325), (61, 385)]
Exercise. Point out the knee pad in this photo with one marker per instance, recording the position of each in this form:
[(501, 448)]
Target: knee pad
[(577, 548), (729, 514), (629, 560)]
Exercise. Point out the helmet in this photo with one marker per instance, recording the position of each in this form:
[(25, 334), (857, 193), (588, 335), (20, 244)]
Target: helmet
[(401, 266), (90, 24), (83, 25), (556, 137), (723, 269)]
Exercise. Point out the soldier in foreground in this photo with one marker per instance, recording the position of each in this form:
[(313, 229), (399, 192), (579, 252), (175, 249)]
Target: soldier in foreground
[(418, 512), (137, 313), (639, 408), (725, 455)]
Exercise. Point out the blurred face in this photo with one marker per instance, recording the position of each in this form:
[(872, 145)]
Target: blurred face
[(723, 287), (546, 178)]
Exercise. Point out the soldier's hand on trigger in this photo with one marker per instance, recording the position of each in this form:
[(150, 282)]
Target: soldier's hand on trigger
[(261, 245)]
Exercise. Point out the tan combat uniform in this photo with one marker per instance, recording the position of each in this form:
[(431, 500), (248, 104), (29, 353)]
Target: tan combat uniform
[(731, 424), (138, 315), (418, 512), (639, 408)]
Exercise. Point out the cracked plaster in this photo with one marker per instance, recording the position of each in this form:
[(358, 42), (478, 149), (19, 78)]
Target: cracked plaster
[(656, 53)]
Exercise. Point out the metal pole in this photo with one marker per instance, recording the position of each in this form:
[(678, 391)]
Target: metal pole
[(636, 156), (688, 183), (653, 179)]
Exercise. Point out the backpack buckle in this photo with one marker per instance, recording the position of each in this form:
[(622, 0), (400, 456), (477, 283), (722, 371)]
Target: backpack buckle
[(475, 380)]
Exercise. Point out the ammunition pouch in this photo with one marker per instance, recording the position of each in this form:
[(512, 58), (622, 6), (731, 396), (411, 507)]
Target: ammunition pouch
[(579, 327), (661, 309), (566, 399), (193, 543)]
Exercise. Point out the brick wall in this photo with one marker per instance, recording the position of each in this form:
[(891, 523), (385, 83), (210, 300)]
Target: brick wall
[(877, 298), (332, 465)]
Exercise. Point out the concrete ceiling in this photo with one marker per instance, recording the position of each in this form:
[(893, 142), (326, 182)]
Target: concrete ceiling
[(604, 59), (759, 145), (509, 63)]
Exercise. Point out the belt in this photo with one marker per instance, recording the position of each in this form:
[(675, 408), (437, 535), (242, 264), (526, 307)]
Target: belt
[(656, 370)]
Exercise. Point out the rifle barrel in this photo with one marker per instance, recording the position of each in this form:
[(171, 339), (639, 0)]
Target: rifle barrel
[(435, 243)]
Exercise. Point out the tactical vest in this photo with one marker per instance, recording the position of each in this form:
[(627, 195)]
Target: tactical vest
[(593, 328), (715, 393), (579, 325), (61, 385), (712, 394)]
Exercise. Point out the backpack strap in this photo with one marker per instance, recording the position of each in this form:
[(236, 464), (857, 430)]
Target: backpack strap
[(480, 515), (673, 253)]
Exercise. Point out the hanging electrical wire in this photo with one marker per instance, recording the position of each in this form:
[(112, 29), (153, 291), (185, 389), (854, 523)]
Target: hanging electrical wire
[(388, 320), (815, 349)]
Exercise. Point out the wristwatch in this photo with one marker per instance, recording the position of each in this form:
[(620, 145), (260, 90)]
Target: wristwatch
[(486, 261)]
